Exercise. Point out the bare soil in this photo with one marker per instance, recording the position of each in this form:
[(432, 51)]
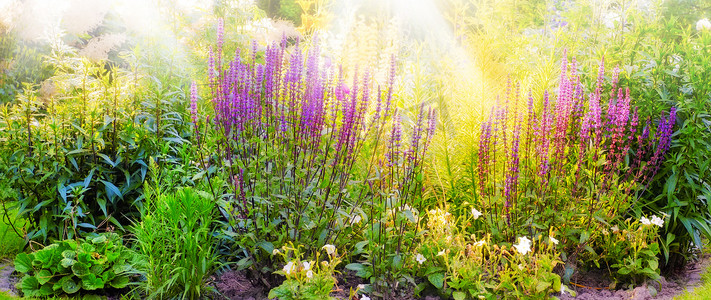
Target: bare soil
[(595, 285)]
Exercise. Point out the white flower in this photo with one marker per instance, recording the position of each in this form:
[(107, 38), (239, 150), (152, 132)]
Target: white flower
[(703, 24), (615, 229), (307, 265), (289, 268), (645, 221), (420, 258), (275, 251), (480, 243), (553, 240), (364, 297), (440, 253), (361, 286), (524, 245), (356, 219), (657, 221), (476, 213), (330, 249), (309, 274)]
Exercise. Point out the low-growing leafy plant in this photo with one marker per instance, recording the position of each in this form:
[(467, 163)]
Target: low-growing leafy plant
[(629, 249), (97, 262), (466, 267), (307, 279)]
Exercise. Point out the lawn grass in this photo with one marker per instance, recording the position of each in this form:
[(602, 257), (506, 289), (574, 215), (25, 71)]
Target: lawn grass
[(10, 242), (701, 292)]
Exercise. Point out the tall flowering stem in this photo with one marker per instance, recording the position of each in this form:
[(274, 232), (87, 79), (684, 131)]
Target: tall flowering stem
[(295, 133), (573, 162)]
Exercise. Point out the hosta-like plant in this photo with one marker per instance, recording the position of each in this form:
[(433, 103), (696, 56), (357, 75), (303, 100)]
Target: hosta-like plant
[(67, 267)]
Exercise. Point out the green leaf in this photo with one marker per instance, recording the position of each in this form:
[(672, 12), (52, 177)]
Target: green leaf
[(267, 246), (87, 180), (69, 286), (459, 295), (80, 269), (437, 279), (112, 190), (69, 254), (653, 264), (91, 282), (29, 285), (354, 266), (99, 239), (119, 282), (584, 236), (43, 276), (542, 286), (67, 262), (45, 290), (102, 205), (23, 262)]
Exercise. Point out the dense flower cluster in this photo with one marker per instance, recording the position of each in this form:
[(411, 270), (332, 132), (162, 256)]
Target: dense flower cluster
[(592, 137), (289, 121)]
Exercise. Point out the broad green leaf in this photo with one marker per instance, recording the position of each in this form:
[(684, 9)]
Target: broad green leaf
[(45, 290), (69, 286), (459, 295), (69, 254), (542, 286), (80, 269), (67, 262), (99, 239), (23, 262), (43, 276), (29, 286), (119, 282), (437, 279), (91, 282), (267, 246)]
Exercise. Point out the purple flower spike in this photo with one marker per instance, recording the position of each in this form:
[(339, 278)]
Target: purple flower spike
[(193, 103)]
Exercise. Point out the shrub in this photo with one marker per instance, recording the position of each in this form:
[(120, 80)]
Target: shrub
[(77, 158)]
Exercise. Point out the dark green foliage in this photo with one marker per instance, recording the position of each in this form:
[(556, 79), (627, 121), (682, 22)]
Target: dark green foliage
[(676, 74), (77, 160), (98, 262)]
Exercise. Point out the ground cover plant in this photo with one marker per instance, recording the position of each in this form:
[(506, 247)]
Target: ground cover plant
[(352, 153)]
